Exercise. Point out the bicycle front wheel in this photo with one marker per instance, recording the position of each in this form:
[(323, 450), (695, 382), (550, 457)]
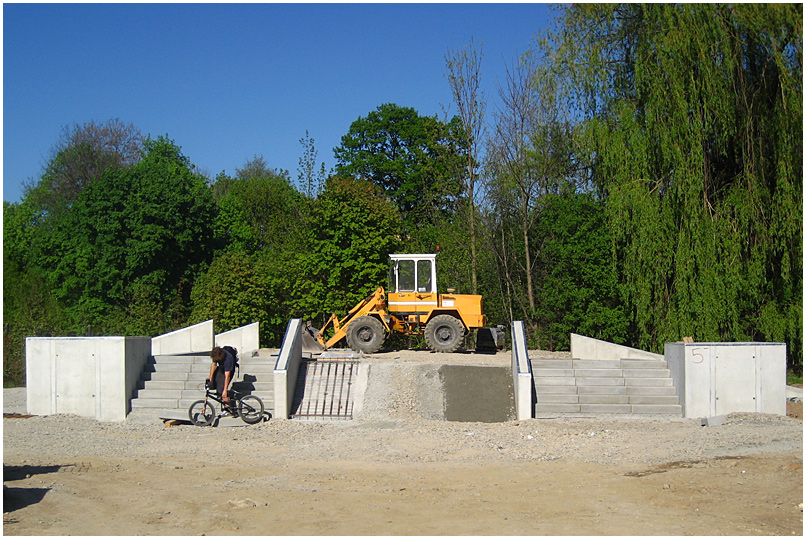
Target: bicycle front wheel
[(202, 413), (250, 408)]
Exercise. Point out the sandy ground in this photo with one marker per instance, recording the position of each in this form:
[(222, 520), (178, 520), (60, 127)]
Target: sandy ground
[(395, 470)]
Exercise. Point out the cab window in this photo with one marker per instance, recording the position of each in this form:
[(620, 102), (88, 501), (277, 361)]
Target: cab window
[(405, 276), (424, 276)]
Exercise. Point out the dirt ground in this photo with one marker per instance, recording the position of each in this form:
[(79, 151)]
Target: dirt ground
[(394, 471)]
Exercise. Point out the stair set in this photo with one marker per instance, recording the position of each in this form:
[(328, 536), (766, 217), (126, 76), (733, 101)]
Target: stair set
[(604, 386), (169, 384)]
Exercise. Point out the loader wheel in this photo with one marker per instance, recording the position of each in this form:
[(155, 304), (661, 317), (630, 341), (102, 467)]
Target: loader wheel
[(365, 334), (444, 333)]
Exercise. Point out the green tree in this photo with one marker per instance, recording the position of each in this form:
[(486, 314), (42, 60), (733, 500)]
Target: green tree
[(353, 230), (81, 155), (413, 158), (577, 284), (259, 211), (146, 230), (239, 289), (693, 127)]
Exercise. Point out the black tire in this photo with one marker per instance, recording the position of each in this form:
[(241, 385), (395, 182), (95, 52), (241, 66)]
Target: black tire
[(444, 333), (201, 416), (366, 334), (250, 408)]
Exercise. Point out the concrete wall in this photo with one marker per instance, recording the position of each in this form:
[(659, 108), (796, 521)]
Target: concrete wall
[(244, 339), (198, 338), (521, 373), (286, 370), (87, 376), (719, 378), (589, 348)]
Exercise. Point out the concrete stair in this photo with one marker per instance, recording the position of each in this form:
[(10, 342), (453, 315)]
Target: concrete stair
[(620, 386), (170, 384)]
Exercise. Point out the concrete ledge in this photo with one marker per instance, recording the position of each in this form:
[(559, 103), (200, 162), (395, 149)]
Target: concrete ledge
[(589, 348), (286, 369), (243, 339), (198, 338), (523, 380)]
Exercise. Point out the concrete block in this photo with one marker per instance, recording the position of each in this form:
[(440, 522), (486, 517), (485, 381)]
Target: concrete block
[(713, 421)]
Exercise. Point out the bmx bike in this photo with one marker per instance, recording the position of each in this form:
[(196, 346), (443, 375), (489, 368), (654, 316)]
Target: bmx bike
[(248, 407)]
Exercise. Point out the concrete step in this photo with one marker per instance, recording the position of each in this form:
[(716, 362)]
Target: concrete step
[(674, 409), (649, 382), (144, 402), (659, 400), (643, 364), (646, 373), (557, 390), (557, 399), (602, 390), (598, 373), (552, 364), (552, 372), (597, 363), (652, 391)]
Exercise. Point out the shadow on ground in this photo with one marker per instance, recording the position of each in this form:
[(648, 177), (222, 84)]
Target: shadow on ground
[(18, 497)]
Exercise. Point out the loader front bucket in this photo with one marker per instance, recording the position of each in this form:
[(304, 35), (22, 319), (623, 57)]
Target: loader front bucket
[(310, 344)]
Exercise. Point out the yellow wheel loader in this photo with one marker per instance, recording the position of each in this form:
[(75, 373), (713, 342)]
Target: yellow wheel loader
[(412, 307)]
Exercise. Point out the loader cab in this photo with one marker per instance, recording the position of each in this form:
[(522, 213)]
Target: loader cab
[(414, 274)]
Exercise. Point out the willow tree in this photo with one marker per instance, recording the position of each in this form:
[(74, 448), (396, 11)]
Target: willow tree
[(693, 129)]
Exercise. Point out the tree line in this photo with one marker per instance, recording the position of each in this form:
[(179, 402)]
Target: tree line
[(639, 181)]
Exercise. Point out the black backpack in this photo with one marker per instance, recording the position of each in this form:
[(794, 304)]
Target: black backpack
[(234, 353)]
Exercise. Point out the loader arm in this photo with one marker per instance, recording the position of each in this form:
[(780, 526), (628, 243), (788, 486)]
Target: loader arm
[(374, 303)]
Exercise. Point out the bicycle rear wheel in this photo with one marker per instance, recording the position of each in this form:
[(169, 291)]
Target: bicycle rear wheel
[(250, 408), (202, 413)]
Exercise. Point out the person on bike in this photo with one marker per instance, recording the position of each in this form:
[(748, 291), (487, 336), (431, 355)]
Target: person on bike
[(222, 371)]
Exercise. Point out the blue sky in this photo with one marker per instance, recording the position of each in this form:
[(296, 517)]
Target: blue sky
[(229, 82)]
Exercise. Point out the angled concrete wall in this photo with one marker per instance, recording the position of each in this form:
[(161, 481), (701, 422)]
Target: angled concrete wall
[(198, 338), (87, 376), (589, 348), (715, 379), (244, 339), (521, 372), (286, 369)]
